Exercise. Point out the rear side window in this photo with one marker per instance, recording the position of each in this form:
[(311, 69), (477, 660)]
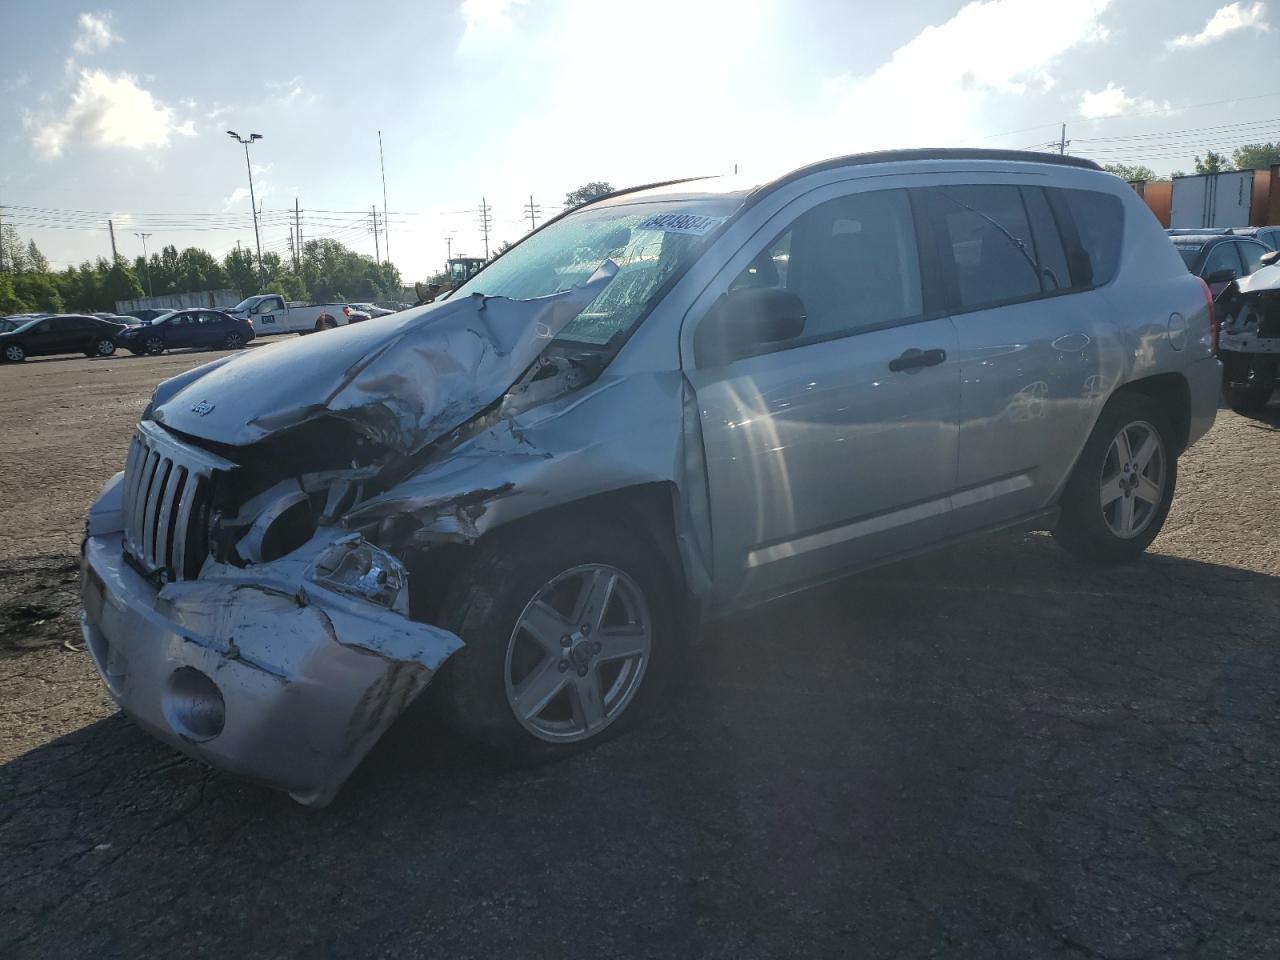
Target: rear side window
[(1099, 224), (1252, 255), (1222, 256), (1051, 255), (987, 232)]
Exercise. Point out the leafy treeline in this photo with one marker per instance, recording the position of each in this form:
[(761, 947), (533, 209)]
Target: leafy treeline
[(328, 271), (1250, 156)]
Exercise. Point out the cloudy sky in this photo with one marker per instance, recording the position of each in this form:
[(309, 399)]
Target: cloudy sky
[(120, 111)]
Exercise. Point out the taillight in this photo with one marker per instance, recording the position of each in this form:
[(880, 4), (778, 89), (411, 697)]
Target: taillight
[(1213, 316), (346, 312)]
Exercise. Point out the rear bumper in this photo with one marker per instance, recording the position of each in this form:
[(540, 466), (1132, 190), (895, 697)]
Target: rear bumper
[(1204, 382), (272, 684)]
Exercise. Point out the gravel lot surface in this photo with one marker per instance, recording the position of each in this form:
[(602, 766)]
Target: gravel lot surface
[(988, 752)]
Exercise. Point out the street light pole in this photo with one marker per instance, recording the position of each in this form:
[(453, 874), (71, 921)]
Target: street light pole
[(146, 264), (253, 202)]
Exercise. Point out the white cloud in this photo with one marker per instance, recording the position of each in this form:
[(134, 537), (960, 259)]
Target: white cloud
[(238, 196), (487, 21), (935, 88), (107, 110), (1225, 20), (1112, 101), (94, 33)]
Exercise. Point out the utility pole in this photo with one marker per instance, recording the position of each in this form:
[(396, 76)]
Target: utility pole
[(377, 255), (382, 163), (253, 203), (532, 210), (146, 264), (112, 228), (293, 253), (448, 248), (1, 239), (486, 220), (297, 222), (1063, 141)]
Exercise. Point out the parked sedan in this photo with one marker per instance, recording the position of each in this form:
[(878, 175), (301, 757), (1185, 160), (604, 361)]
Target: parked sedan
[(1218, 258), (70, 333), (188, 328), (372, 309)]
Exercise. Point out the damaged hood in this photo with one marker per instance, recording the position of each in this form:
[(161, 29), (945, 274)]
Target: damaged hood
[(403, 380)]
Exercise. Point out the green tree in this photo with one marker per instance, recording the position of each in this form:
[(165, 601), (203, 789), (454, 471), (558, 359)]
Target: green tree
[(10, 302), (1212, 163), (241, 271), (119, 282), (39, 291), (586, 193), (1130, 172), (1256, 156), (35, 259)]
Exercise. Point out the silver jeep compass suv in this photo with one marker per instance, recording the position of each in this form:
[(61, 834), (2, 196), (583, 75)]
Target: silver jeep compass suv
[(664, 405)]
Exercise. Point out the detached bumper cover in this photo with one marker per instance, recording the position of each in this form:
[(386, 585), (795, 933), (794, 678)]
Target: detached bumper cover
[(272, 679)]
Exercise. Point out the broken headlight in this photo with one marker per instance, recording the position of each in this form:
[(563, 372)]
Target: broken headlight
[(357, 568)]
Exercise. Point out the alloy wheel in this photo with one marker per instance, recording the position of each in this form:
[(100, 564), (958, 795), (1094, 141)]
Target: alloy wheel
[(106, 348), (578, 653), (1133, 479), (14, 353)]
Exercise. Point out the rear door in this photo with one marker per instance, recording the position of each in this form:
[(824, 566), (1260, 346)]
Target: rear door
[(828, 451), (182, 330), (1032, 336)]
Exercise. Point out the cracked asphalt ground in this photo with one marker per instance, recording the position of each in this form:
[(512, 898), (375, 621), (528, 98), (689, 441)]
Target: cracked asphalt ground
[(988, 752)]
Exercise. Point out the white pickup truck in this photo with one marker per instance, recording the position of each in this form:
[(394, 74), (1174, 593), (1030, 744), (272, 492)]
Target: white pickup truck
[(270, 314)]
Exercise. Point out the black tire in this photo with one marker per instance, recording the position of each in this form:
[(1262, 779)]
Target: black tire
[(102, 347), (14, 353), (1254, 382), (489, 596), (153, 346), (1083, 528), (233, 342)]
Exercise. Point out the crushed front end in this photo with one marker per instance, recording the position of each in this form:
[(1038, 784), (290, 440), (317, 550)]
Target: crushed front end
[(285, 670)]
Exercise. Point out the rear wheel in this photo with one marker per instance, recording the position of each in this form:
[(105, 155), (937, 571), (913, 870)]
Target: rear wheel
[(1120, 492), (325, 322), (104, 347), (14, 353), (567, 638), (233, 341)]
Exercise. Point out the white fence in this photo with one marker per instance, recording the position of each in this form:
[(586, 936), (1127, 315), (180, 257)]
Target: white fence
[(215, 299)]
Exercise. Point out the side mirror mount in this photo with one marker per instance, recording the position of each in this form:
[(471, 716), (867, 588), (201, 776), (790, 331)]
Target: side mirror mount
[(1271, 259), (742, 322), (1225, 275)]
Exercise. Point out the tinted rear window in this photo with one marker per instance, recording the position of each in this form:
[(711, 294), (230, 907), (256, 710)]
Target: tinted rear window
[(1099, 221), (1187, 252)]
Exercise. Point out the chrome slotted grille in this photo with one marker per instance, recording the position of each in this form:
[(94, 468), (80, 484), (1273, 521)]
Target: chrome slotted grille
[(167, 487)]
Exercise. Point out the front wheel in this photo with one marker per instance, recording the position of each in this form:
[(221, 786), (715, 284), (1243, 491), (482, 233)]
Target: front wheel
[(567, 638), (1120, 492), (153, 346), (14, 353)]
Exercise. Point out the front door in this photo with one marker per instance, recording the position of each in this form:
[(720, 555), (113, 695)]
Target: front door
[(836, 449), (182, 330)]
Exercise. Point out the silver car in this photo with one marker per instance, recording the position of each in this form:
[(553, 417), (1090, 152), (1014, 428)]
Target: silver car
[(666, 405)]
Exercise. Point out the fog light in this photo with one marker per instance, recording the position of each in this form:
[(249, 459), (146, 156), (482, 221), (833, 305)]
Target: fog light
[(193, 705)]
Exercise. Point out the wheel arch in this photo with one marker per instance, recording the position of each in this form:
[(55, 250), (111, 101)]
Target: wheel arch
[(1172, 392), (647, 510)]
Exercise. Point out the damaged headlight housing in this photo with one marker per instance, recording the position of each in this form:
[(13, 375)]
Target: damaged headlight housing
[(357, 568)]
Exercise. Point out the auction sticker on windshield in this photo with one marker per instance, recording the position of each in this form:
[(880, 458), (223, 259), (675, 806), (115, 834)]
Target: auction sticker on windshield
[(690, 223)]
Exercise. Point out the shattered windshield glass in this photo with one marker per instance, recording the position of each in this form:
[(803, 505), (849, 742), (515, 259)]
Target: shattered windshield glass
[(650, 242)]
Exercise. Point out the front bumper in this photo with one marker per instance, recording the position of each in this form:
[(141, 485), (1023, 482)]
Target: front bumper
[(268, 678)]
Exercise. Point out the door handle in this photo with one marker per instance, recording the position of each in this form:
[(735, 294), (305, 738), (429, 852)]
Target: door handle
[(914, 359)]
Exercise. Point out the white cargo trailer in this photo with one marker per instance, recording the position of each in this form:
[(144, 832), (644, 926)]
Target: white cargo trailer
[(1212, 200)]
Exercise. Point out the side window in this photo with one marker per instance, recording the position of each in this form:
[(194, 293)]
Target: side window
[(1252, 253), (852, 261), (987, 232), (1222, 256), (1050, 253), (1099, 224)]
